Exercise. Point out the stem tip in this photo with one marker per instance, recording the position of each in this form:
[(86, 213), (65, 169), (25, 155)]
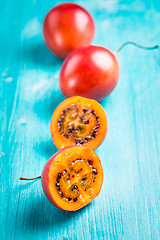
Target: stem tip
[(136, 45)]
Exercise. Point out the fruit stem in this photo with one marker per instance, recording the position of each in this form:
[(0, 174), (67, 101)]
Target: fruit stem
[(136, 45), (21, 178)]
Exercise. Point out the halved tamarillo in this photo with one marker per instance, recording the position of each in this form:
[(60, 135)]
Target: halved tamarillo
[(72, 178), (78, 121)]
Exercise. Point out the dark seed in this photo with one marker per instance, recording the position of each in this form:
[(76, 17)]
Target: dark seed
[(90, 162), (96, 129), (59, 175), (92, 111), (93, 135), (95, 171), (77, 142), (69, 199), (67, 109), (81, 142), (83, 179), (79, 128), (65, 171), (86, 139), (58, 189), (75, 200), (65, 135), (64, 111), (57, 185), (59, 121), (75, 187), (86, 122), (84, 110), (97, 118), (71, 129), (57, 180)]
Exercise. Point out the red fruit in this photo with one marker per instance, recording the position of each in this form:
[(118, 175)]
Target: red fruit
[(90, 72), (66, 27)]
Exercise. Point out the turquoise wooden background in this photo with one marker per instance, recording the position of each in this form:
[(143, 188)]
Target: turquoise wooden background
[(128, 205)]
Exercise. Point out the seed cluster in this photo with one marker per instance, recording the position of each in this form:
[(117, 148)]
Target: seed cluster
[(66, 175), (72, 130)]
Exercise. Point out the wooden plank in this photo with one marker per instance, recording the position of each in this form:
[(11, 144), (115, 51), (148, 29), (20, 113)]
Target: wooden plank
[(128, 205)]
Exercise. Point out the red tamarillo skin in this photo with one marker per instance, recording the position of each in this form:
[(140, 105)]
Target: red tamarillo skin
[(72, 178), (45, 178), (90, 72), (66, 27)]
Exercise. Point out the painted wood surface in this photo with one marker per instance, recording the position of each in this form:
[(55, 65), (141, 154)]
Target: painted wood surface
[(128, 205)]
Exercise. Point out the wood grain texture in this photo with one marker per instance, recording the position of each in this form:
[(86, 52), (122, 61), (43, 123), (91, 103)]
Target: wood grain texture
[(128, 205)]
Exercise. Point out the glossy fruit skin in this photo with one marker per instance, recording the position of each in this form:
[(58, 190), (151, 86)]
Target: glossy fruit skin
[(90, 72), (66, 27)]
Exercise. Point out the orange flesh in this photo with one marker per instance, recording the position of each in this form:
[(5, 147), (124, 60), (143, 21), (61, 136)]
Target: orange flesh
[(76, 166), (78, 121)]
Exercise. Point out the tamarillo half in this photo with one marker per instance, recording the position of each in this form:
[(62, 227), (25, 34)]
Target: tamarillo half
[(71, 178), (78, 121)]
